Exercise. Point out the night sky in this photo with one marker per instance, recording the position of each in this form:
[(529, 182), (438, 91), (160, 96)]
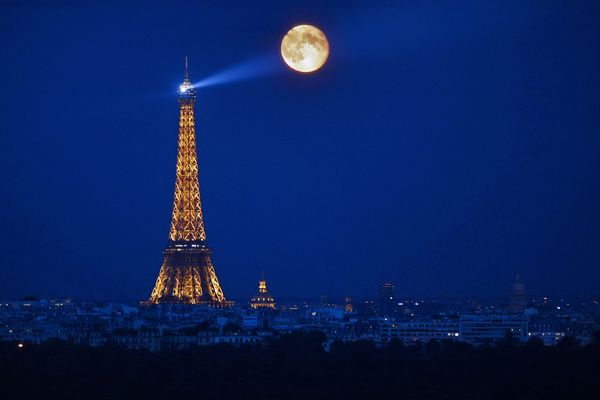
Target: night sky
[(445, 146)]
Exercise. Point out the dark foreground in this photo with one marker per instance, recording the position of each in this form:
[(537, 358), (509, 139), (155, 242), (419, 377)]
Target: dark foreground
[(296, 367)]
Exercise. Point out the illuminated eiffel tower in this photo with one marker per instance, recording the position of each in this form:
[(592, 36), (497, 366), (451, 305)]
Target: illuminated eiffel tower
[(187, 274)]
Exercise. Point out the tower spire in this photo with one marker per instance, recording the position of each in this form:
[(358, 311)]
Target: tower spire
[(186, 88), (187, 74)]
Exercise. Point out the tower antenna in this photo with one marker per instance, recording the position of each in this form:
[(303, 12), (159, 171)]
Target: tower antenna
[(187, 75)]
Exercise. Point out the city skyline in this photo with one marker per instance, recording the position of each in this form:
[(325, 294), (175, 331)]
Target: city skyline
[(442, 149)]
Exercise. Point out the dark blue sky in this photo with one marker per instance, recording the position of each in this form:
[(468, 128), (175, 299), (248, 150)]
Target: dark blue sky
[(445, 146)]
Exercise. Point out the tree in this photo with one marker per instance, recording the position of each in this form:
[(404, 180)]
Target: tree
[(568, 342)]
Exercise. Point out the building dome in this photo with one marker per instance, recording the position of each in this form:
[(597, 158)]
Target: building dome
[(262, 299)]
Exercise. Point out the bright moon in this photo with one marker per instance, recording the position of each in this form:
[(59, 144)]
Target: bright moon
[(305, 48)]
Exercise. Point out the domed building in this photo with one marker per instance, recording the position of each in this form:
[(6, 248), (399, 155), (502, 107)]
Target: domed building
[(518, 296), (263, 298)]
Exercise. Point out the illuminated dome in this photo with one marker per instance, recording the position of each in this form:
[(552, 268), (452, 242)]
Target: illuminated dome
[(263, 298)]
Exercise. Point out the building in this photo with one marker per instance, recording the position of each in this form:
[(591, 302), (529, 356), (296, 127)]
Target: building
[(187, 274), (136, 339), (236, 340), (387, 299), (518, 298), (348, 308), (486, 328), (262, 299), (418, 330), (548, 328)]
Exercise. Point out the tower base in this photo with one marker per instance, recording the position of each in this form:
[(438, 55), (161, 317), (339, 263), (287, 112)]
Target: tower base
[(187, 276)]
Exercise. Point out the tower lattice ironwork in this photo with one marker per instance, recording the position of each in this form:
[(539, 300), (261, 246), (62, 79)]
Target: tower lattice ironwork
[(187, 274)]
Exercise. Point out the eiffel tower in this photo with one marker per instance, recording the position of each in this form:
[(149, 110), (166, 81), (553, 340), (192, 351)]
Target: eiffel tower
[(187, 274)]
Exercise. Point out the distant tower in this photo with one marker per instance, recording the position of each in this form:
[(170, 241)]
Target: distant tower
[(348, 308), (518, 297), (387, 297), (262, 299), (187, 274), (323, 299)]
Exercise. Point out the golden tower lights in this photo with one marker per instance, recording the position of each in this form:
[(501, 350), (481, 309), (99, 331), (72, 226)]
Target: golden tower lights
[(187, 274)]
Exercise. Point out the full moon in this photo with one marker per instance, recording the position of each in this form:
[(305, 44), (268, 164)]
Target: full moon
[(305, 48)]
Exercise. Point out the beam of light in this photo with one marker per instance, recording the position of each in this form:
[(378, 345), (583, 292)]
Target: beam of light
[(249, 69)]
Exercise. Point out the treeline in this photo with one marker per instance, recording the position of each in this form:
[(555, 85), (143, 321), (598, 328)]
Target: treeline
[(296, 366)]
